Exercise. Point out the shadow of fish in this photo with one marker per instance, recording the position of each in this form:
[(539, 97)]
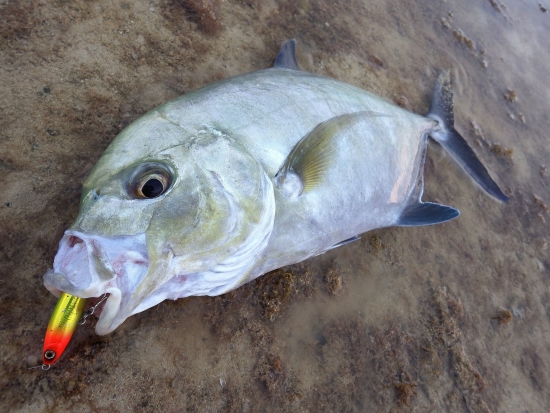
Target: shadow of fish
[(226, 183)]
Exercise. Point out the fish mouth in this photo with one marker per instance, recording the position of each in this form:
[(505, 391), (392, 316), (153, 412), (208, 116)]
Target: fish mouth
[(89, 266)]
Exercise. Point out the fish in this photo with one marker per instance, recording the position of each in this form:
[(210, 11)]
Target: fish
[(246, 175)]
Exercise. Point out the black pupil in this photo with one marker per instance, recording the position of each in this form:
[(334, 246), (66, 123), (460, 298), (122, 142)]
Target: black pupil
[(152, 188)]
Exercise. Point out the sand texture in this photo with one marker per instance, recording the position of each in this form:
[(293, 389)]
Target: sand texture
[(446, 318)]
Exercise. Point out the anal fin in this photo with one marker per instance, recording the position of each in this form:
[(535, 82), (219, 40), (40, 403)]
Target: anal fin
[(426, 213)]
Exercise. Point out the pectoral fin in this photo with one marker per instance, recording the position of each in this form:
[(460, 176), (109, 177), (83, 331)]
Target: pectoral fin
[(308, 162), (344, 242)]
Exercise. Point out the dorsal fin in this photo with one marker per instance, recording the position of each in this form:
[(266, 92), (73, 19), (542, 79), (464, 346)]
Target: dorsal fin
[(307, 163), (426, 213), (287, 56)]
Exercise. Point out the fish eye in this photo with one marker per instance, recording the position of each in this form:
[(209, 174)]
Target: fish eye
[(150, 181), (152, 188), (49, 354)]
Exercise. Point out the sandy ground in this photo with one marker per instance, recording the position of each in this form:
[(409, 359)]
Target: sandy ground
[(454, 317)]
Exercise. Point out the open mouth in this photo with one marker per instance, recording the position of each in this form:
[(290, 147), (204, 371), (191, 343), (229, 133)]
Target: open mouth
[(91, 266)]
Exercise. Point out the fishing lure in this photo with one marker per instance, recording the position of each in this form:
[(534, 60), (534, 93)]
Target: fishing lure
[(67, 314), (65, 317)]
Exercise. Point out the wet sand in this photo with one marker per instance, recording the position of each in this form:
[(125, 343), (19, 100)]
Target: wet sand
[(453, 317)]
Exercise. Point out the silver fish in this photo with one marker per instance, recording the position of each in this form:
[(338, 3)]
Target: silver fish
[(246, 175)]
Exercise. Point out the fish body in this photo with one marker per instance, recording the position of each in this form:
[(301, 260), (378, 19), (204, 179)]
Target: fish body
[(255, 172)]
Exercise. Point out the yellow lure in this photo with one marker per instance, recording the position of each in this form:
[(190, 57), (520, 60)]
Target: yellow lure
[(65, 317)]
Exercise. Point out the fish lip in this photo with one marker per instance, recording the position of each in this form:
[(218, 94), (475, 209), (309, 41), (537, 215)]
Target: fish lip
[(109, 311), (108, 308), (55, 291)]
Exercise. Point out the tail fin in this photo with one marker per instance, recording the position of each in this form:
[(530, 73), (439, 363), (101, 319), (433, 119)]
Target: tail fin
[(441, 110)]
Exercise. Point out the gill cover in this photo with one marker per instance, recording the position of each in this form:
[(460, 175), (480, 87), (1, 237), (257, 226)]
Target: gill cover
[(233, 216)]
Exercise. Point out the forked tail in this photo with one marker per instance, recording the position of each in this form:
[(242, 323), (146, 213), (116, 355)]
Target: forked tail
[(441, 110)]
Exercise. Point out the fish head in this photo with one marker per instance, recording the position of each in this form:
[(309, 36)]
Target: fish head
[(167, 212)]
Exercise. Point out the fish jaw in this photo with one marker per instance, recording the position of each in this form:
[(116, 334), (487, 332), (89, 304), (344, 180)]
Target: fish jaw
[(92, 265)]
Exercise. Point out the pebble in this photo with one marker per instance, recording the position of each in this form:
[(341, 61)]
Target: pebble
[(71, 385), (43, 386)]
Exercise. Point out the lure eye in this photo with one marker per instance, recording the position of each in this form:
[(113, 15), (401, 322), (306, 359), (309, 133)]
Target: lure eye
[(49, 354), (150, 181)]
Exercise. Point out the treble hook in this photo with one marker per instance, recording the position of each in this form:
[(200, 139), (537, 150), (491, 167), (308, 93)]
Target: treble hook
[(91, 310)]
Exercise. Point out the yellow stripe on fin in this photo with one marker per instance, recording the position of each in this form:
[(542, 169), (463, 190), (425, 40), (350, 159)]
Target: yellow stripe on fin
[(312, 156)]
